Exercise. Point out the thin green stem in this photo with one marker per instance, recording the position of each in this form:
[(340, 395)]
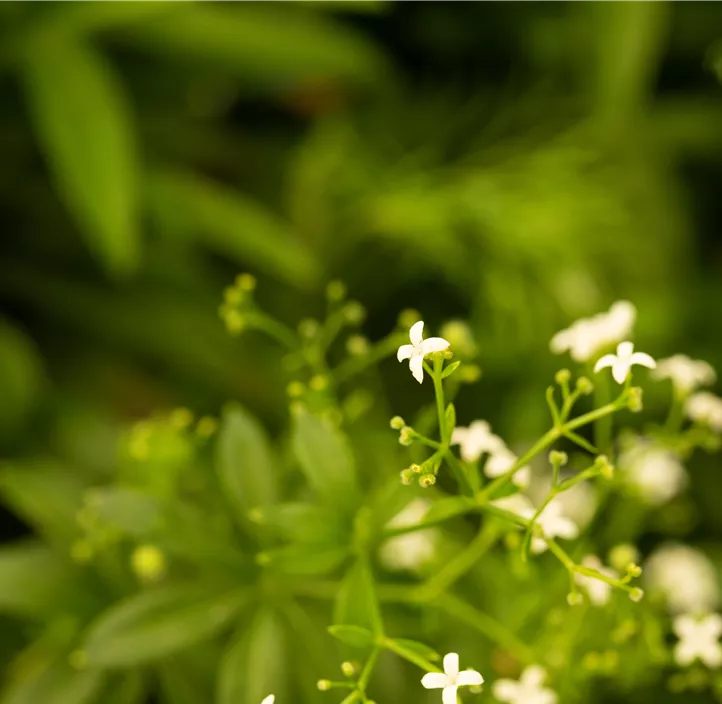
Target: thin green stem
[(440, 406), (352, 366), (275, 329), (365, 675), (417, 660), (603, 424)]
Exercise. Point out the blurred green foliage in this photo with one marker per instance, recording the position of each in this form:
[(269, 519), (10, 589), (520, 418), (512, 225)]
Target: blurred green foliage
[(517, 165)]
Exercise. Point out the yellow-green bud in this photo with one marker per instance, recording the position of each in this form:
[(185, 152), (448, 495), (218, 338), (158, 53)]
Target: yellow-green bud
[(408, 317), (415, 468), (633, 570), (397, 422), (319, 382), (562, 377), (354, 312), (406, 436), (458, 333), (574, 599), (323, 685), (634, 402), (636, 594), (357, 345), (308, 328), (245, 282), (295, 389), (584, 386), (206, 426), (622, 555), (148, 563), (336, 291), (448, 353), (232, 296), (605, 467), (235, 322), (591, 661), (558, 458), (407, 476), (180, 418), (348, 668), (469, 373), (427, 480)]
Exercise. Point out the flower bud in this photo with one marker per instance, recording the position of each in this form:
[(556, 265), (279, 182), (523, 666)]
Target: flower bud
[(148, 563), (348, 668), (408, 317), (469, 373), (78, 659), (318, 382), (357, 345), (584, 386), (407, 476), (622, 555), (206, 426), (591, 661), (397, 422), (336, 291), (295, 389), (406, 436), (235, 322), (634, 402), (427, 480), (354, 313), (636, 594), (605, 467), (233, 296), (574, 598), (245, 282), (458, 333), (180, 418), (633, 570), (562, 377), (558, 458), (323, 685), (308, 328)]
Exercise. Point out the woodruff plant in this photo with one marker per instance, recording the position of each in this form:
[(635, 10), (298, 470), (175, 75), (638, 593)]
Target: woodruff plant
[(204, 569)]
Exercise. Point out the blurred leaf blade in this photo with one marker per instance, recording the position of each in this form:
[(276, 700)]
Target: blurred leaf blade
[(57, 682), (85, 130), (153, 624), (356, 602), (231, 223)]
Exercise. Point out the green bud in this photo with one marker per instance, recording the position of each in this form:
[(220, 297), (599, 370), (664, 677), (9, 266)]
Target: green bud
[(406, 436), (319, 382), (562, 377), (469, 373), (246, 282), (323, 685), (622, 555), (308, 328), (235, 322), (407, 476), (408, 317), (584, 386), (148, 563), (348, 668), (357, 345), (591, 661), (232, 296), (636, 594), (415, 468), (354, 313), (605, 467), (206, 427), (295, 389), (336, 291), (574, 598), (427, 480), (397, 422), (180, 418), (634, 402), (458, 333), (558, 458), (263, 558), (633, 570), (448, 353)]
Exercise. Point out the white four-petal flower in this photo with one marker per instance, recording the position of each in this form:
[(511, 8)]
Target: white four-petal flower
[(451, 679), (705, 407), (686, 374), (269, 699), (698, 639), (528, 690), (622, 362), (476, 440), (419, 348)]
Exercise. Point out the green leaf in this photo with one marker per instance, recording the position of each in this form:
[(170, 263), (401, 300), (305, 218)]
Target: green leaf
[(235, 225), (267, 46), (254, 665), (450, 419), (244, 462), (356, 602), (58, 683), (45, 494), (325, 458), (126, 688), (416, 648), (352, 635), (130, 510), (449, 507), (32, 577), (85, 131), (153, 624), (305, 559), (450, 369), (302, 523)]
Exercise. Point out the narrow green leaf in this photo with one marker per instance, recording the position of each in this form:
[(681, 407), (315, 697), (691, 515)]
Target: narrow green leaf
[(152, 624), (449, 507), (419, 649), (130, 510), (58, 683), (450, 369), (325, 458), (254, 666), (352, 635), (356, 602), (32, 577), (231, 223), (305, 559), (450, 419), (302, 523), (244, 462), (85, 131), (266, 46)]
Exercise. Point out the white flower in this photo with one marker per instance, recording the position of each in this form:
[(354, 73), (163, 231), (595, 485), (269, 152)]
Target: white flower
[(551, 520), (501, 461), (410, 552), (578, 503), (589, 335), (269, 699), (622, 362), (476, 440), (528, 690), (656, 473), (705, 407), (685, 576), (686, 374), (451, 679), (599, 592), (418, 349), (698, 639)]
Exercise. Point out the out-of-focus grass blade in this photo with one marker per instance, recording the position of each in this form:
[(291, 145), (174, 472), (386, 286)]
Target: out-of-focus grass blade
[(58, 683), (84, 127), (230, 223), (264, 45)]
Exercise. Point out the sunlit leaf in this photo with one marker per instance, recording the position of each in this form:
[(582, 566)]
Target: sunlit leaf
[(352, 635), (153, 624), (357, 603), (86, 134)]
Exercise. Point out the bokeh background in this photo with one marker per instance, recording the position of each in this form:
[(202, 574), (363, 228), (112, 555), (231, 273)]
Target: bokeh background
[(515, 165)]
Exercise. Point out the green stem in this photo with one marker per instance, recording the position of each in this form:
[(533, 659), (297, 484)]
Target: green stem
[(365, 675), (275, 329), (355, 365), (603, 425), (440, 407)]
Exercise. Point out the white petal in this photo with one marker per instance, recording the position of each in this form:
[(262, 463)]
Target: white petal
[(467, 678), (416, 364), (448, 696), (434, 680), (712, 624), (711, 655), (607, 361), (451, 664), (269, 699), (620, 370), (505, 690), (522, 477), (684, 653), (415, 334), (643, 359), (458, 437), (566, 528), (533, 676), (684, 625), (405, 351), (434, 344), (625, 349)]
